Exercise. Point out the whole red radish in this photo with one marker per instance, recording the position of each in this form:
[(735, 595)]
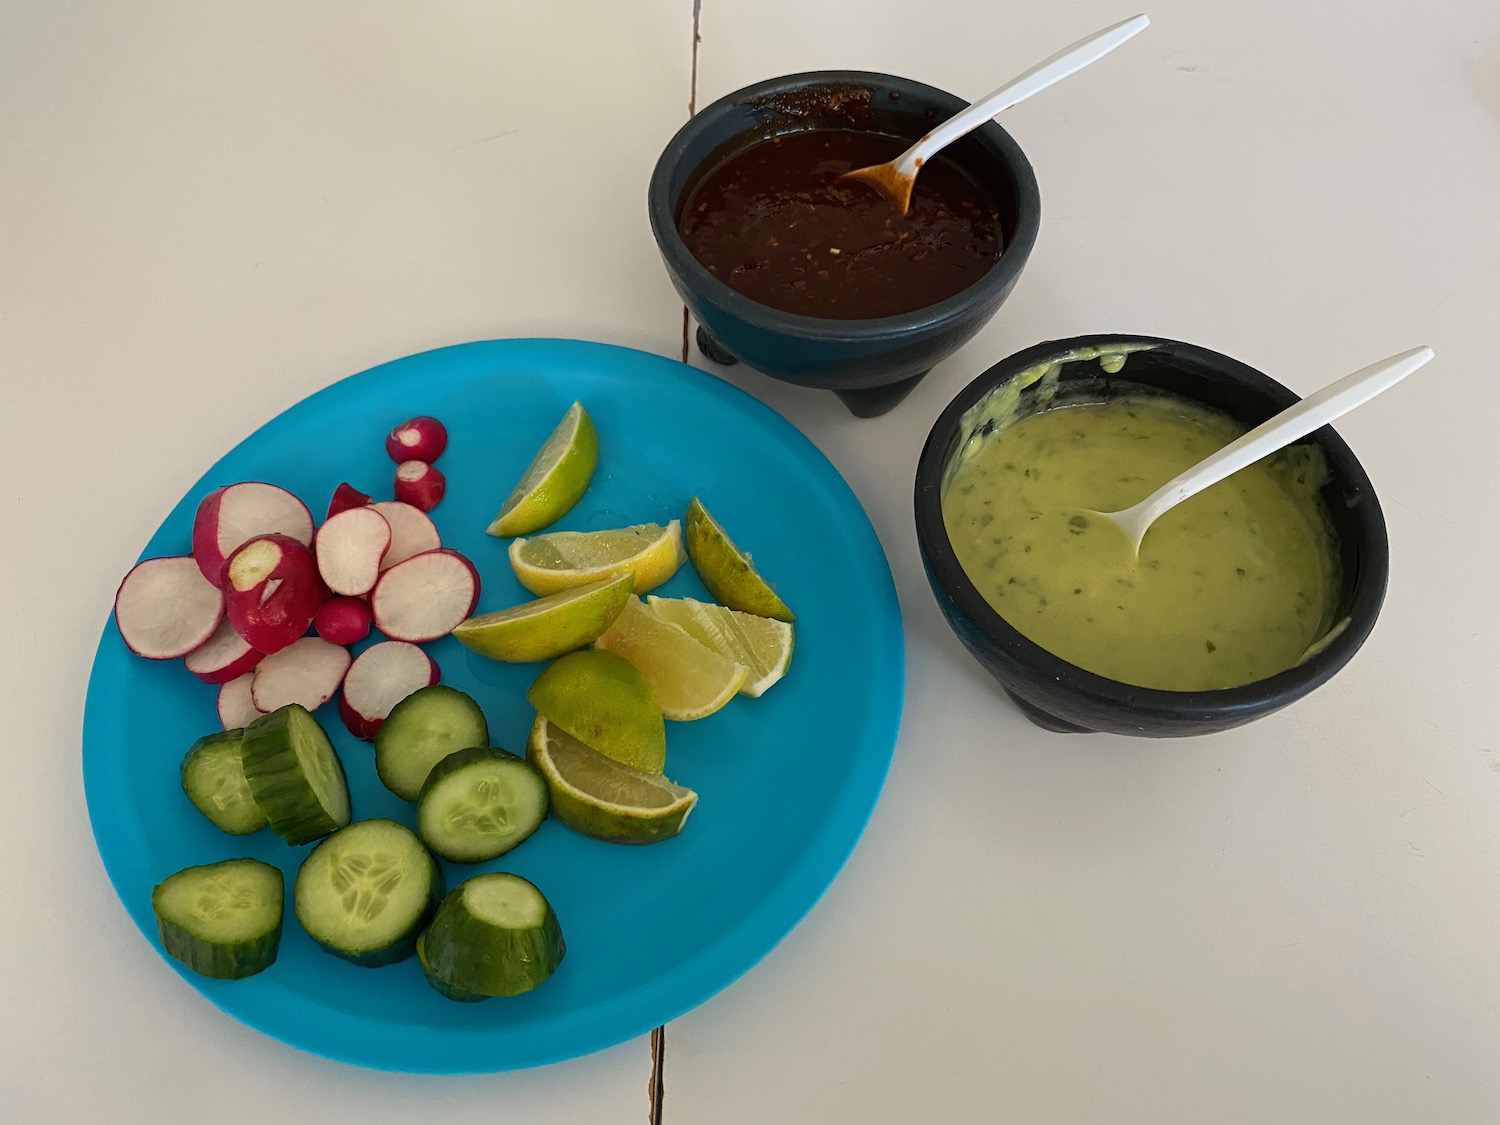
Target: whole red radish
[(308, 671), (381, 677), (165, 609), (426, 596), (349, 548), (236, 513), (223, 657), (411, 532), (237, 704), (343, 621), (419, 484), (422, 438), (344, 497), (272, 591)]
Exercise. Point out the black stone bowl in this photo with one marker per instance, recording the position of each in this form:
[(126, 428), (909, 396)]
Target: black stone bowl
[(870, 364), (1059, 696)]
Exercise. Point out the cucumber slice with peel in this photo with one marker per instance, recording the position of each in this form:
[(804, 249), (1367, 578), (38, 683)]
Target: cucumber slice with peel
[(480, 803), (494, 935), (422, 730), (214, 780), (438, 982), (223, 919), (295, 775), (365, 892)]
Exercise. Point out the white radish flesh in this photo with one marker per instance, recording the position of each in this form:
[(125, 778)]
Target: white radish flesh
[(344, 621), (349, 548), (419, 484), (422, 438), (411, 532), (236, 513), (426, 596), (272, 591), (223, 657), (237, 704), (381, 677), (307, 671), (164, 608)]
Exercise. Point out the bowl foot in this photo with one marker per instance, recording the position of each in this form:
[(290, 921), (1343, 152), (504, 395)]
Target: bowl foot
[(1043, 719), (712, 350), (871, 402)]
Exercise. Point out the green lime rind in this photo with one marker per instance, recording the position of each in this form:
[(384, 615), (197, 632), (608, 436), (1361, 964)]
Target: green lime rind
[(725, 570), (605, 702), (556, 479), (545, 628)]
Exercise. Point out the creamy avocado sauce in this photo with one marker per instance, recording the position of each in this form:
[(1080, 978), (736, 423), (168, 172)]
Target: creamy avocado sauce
[(1231, 586)]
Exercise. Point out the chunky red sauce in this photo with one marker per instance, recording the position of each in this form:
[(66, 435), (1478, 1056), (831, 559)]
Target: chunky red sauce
[(774, 222)]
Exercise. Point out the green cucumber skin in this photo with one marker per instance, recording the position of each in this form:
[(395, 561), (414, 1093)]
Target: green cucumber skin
[(473, 956), (240, 818), (408, 745), (241, 959), (405, 945), (438, 983), (455, 850), (276, 778)]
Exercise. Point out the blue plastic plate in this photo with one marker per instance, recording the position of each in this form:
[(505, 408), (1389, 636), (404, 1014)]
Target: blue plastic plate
[(786, 782)]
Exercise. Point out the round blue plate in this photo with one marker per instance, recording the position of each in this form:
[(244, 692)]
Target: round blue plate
[(785, 782)]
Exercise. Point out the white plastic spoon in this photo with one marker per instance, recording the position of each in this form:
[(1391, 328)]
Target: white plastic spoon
[(1317, 409), (896, 177)]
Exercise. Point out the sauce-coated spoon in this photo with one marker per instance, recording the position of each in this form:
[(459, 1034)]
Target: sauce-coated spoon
[(896, 177), (1317, 409)]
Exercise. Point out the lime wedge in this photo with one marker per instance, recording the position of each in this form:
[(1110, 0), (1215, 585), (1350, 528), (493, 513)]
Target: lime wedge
[(762, 645), (555, 479), (561, 560), (598, 796), (689, 679), (547, 627), (726, 570), (602, 700)]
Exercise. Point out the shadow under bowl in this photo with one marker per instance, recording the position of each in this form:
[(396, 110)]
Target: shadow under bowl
[(870, 364), (1060, 696)]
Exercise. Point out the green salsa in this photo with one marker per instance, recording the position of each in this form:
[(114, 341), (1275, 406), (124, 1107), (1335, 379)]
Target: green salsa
[(1231, 586)]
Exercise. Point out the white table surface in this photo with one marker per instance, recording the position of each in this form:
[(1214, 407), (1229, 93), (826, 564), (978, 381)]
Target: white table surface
[(209, 210)]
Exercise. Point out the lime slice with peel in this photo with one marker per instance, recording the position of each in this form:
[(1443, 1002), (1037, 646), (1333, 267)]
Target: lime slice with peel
[(762, 645), (547, 627), (726, 570), (690, 680), (598, 796), (560, 560), (556, 478), (602, 700)]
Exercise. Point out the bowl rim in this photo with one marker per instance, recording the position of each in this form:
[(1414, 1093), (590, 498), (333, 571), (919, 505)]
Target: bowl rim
[(1101, 692), (1013, 256)]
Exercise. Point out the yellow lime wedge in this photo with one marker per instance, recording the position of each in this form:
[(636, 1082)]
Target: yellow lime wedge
[(602, 700), (762, 645), (560, 560), (547, 627), (690, 680), (557, 476), (726, 570)]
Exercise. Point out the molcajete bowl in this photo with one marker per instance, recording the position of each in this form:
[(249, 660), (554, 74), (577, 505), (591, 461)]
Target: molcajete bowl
[(1060, 696), (871, 364)]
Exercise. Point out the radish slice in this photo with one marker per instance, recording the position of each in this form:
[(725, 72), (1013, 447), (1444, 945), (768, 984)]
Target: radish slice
[(345, 496), (419, 484), (165, 609), (307, 671), (426, 596), (233, 515), (236, 704), (381, 677), (223, 657), (411, 532), (272, 591), (344, 621), (422, 438), (349, 549)]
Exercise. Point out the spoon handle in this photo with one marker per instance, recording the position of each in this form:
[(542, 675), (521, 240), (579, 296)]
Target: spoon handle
[(1317, 409), (1067, 61)]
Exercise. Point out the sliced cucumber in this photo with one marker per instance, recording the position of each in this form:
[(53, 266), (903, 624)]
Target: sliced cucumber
[(221, 919), (214, 780), (365, 893), (438, 982), (495, 935), (480, 803), (422, 730), (297, 779)]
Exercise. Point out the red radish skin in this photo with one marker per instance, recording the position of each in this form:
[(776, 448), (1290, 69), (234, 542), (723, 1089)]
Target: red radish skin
[(422, 438), (308, 671), (411, 532), (237, 704), (381, 677), (231, 516), (223, 657), (272, 591), (419, 484), (343, 621), (426, 596), (349, 548), (164, 609), (345, 496)]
